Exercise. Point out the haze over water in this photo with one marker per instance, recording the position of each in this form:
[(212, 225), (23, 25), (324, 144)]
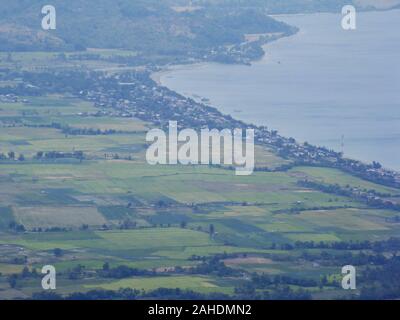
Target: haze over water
[(316, 86)]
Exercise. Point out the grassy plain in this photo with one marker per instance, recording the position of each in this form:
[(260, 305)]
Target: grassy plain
[(168, 209)]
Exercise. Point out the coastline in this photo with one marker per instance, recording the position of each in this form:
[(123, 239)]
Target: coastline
[(157, 77)]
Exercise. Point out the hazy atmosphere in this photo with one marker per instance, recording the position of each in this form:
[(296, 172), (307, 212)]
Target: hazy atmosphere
[(172, 151)]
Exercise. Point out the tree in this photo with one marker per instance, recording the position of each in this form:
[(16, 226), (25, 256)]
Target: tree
[(104, 227), (58, 252), (211, 229), (39, 154), (376, 165), (11, 155), (183, 224), (12, 281), (106, 266), (25, 272), (62, 57)]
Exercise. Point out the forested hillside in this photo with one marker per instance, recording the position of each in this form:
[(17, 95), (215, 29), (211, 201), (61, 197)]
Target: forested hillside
[(155, 27), (293, 6)]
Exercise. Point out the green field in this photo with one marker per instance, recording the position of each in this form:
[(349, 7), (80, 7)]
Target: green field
[(199, 284), (126, 212)]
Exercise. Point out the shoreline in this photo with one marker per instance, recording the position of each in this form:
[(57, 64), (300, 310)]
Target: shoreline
[(164, 72), (156, 77)]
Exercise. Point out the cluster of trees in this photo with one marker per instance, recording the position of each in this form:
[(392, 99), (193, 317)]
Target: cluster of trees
[(67, 130), (141, 26), (117, 156), (13, 279), (132, 294), (121, 294), (214, 266), (88, 131), (300, 208), (369, 197), (280, 7), (361, 259), (19, 260), (280, 293), (121, 272), (77, 272), (264, 281), (51, 229), (16, 227), (379, 280), (383, 282), (127, 224), (375, 283), (392, 244), (11, 155), (285, 293), (60, 155)]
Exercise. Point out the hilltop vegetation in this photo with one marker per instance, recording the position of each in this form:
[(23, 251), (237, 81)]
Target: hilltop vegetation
[(168, 28), (109, 221), (77, 193), (292, 6), (151, 27)]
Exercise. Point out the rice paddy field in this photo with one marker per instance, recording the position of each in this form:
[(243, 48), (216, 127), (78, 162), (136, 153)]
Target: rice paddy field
[(122, 211)]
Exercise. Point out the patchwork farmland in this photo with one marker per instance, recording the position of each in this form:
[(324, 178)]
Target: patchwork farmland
[(89, 215)]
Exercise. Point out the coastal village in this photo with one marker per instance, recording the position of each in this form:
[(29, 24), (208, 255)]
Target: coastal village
[(137, 95)]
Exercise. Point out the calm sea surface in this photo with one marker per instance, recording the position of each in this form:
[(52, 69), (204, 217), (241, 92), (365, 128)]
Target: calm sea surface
[(319, 86)]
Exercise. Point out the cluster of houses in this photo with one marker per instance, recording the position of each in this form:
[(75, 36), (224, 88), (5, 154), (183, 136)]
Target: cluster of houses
[(135, 94), (11, 98)]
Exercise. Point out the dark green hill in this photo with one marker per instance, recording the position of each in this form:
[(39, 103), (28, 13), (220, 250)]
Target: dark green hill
[(151, 27), (292, 6)]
